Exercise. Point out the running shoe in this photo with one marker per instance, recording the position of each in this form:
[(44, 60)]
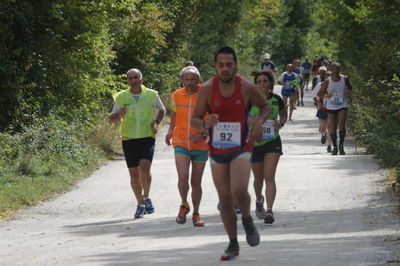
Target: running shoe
[(302, 103), (183, 210), (139, 211), (334, 151), (329, 149), (148, 206), (269, 217), (341, 150), (323, 139), (260, 211), (197, 221), (252, 236), (231, 252)]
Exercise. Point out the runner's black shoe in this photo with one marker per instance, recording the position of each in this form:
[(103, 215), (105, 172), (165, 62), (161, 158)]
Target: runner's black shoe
[(329, 149), (341, 150), (269, 217), (252, 236), (231, 252), (334, 151), (323, 139)]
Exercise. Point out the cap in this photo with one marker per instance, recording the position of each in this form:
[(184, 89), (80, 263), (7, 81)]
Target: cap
[(267, 56)]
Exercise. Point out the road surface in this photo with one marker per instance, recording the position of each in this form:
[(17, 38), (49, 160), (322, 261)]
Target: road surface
[(329, 210)]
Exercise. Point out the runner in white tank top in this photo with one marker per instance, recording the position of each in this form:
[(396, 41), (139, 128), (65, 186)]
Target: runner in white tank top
[(336, 90)]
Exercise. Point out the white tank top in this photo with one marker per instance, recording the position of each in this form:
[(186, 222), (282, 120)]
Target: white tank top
[(338, 100)]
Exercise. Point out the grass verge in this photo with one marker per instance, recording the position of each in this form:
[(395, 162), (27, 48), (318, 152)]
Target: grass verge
[(48, 157)]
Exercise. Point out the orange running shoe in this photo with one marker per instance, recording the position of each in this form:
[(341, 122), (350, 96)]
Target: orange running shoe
[(197, 221), (183, 210)]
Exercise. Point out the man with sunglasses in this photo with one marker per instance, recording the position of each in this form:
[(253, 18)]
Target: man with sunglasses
[(135, 107)]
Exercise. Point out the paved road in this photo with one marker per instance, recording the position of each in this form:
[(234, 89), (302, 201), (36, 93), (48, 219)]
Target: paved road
[(330, 210)]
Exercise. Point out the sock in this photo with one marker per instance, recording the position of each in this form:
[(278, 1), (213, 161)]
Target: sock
[(269, 209), (334, 140), (186, 204), (234, 241), (260, 201), (342, 135)]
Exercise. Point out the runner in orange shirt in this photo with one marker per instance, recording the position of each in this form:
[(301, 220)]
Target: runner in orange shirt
[(189, 144)]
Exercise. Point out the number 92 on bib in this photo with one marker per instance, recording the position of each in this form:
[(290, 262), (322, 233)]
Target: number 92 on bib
[(226, 135)]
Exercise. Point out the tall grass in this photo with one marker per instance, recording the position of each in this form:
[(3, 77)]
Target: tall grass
[(47, 157)]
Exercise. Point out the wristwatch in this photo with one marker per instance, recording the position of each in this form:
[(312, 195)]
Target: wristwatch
[(282, 123), (157, 120)]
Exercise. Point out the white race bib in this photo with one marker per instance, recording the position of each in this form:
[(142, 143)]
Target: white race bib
[(337, 99), (268, 129), (226, 135)]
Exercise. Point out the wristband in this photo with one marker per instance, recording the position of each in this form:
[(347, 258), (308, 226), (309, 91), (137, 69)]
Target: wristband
[(282, 123)]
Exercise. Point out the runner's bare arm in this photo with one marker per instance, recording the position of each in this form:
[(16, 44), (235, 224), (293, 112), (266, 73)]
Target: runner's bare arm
[(114, 118), (258, 99), (171, 128), (155, 122), (324, 89), (201, 108)]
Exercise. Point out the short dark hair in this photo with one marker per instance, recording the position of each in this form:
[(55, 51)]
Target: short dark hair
[(225, 50), (266, 73)]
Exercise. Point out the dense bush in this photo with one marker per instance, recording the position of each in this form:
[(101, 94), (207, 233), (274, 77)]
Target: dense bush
[(49, 155)]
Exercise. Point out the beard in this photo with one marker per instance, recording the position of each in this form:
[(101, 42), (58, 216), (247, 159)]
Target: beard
[(226, 78)]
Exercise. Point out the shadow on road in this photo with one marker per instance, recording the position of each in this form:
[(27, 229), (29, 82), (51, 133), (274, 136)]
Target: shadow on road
[(290, 241)]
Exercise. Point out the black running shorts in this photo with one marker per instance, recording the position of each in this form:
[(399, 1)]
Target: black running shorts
[(336, 111), (138, 149), (274, 146)]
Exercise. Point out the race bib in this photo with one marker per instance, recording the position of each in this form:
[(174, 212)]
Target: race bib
[(226, 135), (268, 129), (337, 99)]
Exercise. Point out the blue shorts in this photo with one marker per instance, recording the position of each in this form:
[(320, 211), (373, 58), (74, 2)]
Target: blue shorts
[(197, 156), (287, 92), (321, 114)]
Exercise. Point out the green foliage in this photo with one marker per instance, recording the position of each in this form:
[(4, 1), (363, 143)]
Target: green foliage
[(213, 26), (368, 45), (47, 157), (56, 54)]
